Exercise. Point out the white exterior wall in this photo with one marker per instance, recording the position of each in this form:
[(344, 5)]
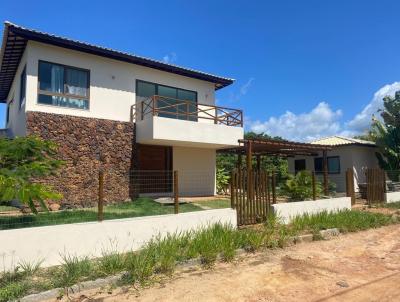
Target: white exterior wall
[(356, 157), (196, 170), (289, 210), (392, 197), (173, 132), (112, 83), (92, 238), (17, 118)]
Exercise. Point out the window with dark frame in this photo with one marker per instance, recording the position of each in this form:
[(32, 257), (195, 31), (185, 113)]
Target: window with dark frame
[(299, 165), (333, 164), (172, 105), (22, 88), (63, 86)]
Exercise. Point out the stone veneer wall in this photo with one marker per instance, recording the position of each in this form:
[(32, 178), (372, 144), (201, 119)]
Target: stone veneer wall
[(85, 144)]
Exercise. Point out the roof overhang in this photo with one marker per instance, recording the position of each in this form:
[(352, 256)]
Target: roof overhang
[(273, 147), (16, 37)]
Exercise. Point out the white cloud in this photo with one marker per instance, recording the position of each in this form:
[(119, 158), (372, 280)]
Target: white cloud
[(320, 121), (234, 97), (362, 120), (170, 58), (245, 87)]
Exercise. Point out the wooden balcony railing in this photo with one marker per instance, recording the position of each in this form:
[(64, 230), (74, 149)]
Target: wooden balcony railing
[(186, 110)]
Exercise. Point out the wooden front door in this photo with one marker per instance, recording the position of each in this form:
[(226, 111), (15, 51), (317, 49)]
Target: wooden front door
[(155, 169)]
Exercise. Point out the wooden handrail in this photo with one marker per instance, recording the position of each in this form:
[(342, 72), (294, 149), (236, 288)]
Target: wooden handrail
[(156, 105)]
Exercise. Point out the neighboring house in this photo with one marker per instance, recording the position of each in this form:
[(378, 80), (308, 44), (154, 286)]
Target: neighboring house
[(101, 107), (346, 153)]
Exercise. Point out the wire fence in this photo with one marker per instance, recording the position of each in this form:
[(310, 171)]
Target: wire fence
[(110, 194), (393, 181), (115, 195)]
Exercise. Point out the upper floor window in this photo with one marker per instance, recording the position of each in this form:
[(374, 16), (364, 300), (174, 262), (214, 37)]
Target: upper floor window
[(63, 86), (333, 164), (173, 102), (22, 88)]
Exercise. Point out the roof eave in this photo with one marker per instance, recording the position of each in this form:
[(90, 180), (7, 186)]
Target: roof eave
[(96, 50)]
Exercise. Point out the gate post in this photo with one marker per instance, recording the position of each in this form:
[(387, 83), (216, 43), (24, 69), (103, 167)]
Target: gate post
[(273, 187), (314, 186), (176, 193), (350, 185), (232, 189)]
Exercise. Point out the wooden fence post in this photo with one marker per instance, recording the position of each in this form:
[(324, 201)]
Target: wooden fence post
[(384, 186), (350, 185), (176, 192), (232, 189), (314, 186), (273, 183), (100, 213)]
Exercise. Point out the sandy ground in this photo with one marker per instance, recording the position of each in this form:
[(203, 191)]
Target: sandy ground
[(363, 266)]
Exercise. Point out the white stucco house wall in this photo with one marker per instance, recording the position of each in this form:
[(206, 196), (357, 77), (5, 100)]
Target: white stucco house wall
[(346, 153), (90, 100)]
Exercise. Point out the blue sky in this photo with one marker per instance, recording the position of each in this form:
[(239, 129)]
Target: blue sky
[(303, 69)]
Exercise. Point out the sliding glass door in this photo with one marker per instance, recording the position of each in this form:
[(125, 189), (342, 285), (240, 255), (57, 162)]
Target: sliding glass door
[(172, 102)]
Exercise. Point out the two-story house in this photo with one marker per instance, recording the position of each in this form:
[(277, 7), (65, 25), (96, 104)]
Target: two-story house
[(105, 108)]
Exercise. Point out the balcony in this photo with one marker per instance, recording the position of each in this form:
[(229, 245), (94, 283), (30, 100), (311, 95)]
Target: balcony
[(167, 121)]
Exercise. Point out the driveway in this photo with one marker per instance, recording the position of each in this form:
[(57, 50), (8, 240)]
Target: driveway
[(362, 266)]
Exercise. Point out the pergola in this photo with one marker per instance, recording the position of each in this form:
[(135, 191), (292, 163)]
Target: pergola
[(281, 148)]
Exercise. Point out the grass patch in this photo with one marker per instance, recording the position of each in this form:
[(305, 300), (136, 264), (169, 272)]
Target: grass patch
[(74, 269), (137, 208), (4, 208), (215, 204), (345, 221), (392, 205), (161, 254)]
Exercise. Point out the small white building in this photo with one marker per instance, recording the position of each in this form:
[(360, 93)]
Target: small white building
[(346, 153)]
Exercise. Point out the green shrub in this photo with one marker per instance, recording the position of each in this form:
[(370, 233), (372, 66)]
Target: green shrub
[(253, 240), (165, 251), (205, 245), (74, 269), (222, 178), (110, 263), (140, 266), (299, 187), (13, 290), (21, 160)]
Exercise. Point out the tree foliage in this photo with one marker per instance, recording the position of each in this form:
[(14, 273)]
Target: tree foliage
[(22, 161), (386, 133), (228, 162), (222, 181), (299, 187)]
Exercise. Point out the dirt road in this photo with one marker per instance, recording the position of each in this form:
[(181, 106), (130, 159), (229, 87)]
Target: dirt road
[(362, 266)]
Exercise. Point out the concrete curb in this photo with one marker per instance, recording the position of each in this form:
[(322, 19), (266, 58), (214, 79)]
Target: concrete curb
[(185, 265), (54, 293)]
